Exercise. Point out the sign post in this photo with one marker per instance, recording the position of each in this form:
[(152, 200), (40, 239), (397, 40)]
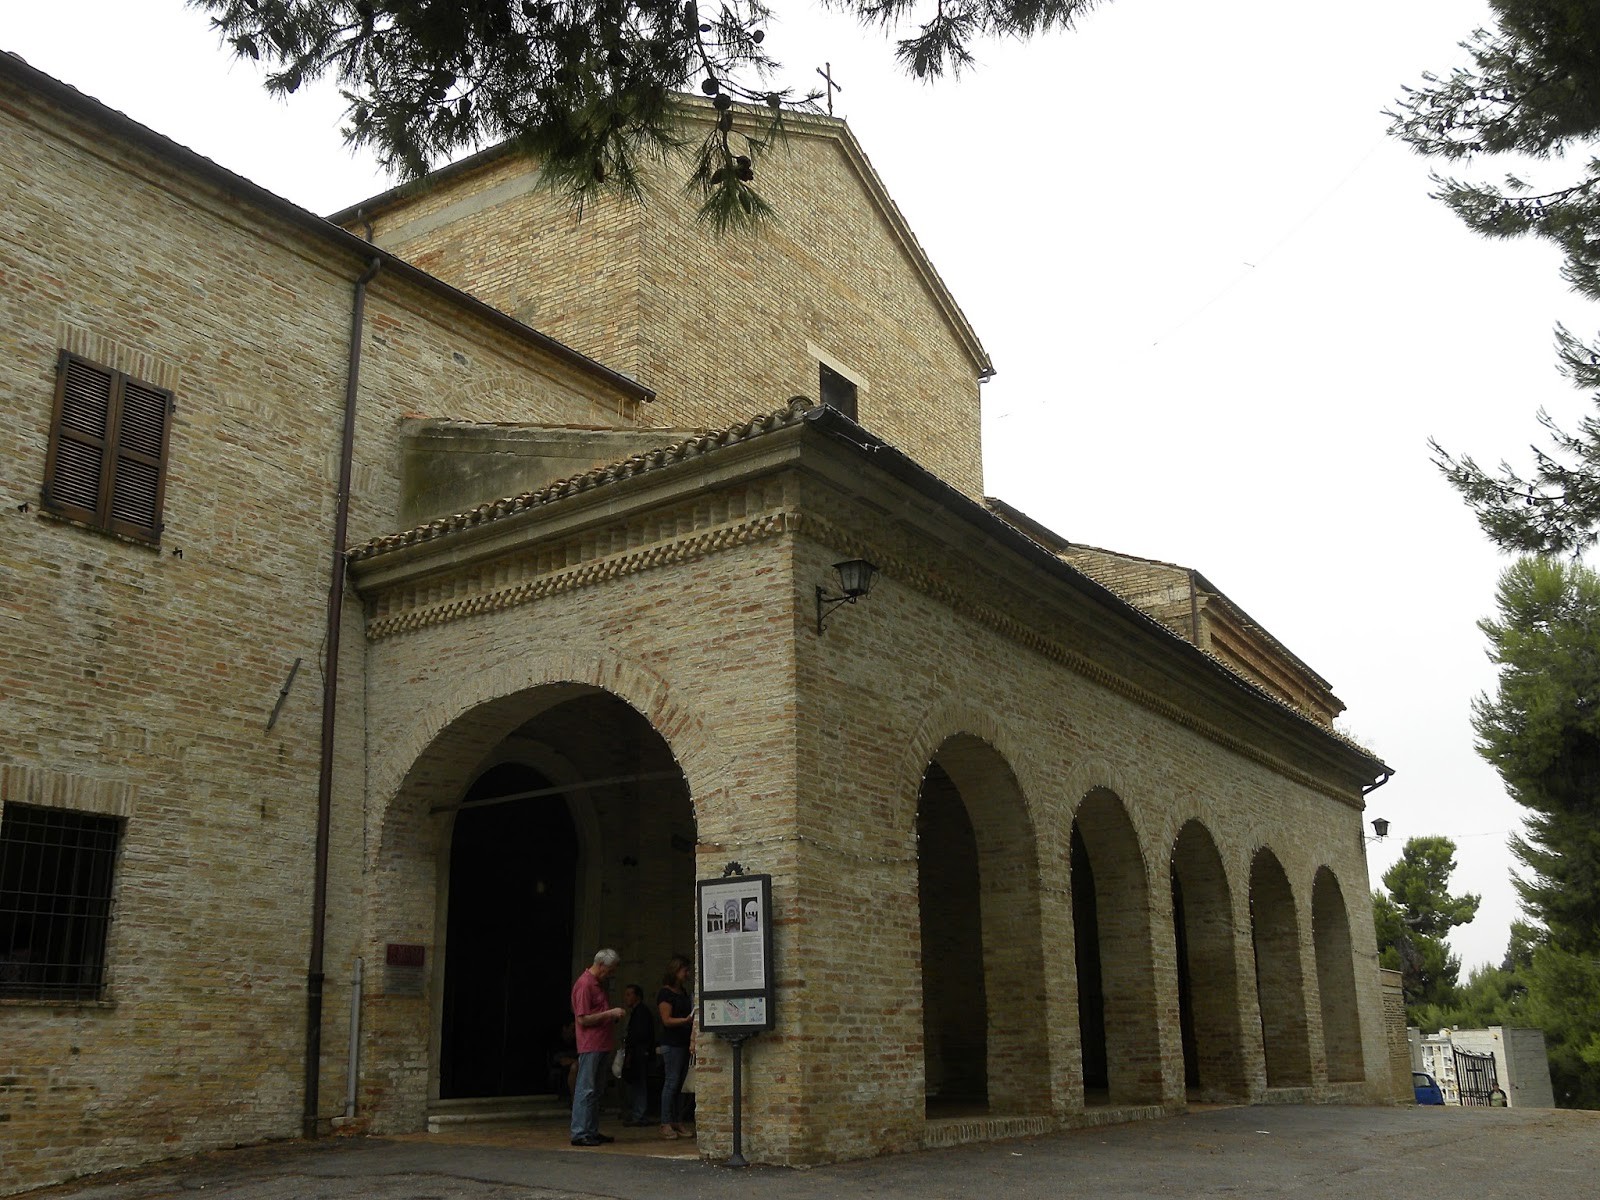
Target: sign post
[(736, 984)]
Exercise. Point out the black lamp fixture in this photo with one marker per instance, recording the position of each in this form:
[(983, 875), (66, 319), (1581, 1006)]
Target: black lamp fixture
[(855, 581), (1380, 829)]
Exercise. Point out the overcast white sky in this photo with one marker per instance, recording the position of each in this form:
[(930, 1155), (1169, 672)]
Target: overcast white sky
[(1225, 314)]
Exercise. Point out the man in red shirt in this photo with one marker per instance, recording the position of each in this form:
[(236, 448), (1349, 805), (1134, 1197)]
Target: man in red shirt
[(595, 1020)]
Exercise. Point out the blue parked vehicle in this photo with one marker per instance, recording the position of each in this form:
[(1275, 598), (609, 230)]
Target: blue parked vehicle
[(1426, 1088)]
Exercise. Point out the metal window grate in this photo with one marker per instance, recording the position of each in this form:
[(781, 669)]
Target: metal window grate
[(55, 901)]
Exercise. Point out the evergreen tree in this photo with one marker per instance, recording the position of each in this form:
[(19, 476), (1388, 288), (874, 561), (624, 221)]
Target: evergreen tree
[(1542, 733), (593, 88), (1563, 999), (1490, 996), (1411, 922), (1531, 96)]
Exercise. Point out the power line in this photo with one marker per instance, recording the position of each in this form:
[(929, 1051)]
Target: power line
[(1277, 245)]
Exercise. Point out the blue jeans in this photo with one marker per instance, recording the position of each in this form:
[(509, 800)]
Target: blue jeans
[(676, 1059), (586, 1095)]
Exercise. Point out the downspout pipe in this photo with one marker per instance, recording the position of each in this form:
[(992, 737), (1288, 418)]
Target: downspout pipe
[(330, 697)]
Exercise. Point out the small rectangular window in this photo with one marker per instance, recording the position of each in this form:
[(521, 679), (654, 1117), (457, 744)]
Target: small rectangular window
[(108, 449), (836, 391), (55, 901)]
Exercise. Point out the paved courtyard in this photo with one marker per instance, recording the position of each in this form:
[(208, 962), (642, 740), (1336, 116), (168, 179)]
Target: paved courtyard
[(1310, 1153)]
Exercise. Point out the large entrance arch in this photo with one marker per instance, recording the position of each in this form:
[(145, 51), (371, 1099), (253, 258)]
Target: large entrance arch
[(535, 828), (1116, 977), (981, 947)]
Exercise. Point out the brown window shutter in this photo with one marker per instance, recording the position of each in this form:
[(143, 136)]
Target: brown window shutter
[(143, 421), (108, 449), (76, 466)]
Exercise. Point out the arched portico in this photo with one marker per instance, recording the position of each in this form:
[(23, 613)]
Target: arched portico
[(1116, 978), (980, 935), (1208, 988), (1280, 984), (1336, 982)]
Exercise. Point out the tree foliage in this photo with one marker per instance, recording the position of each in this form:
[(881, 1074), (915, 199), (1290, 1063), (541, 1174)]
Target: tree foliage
[(1562, 991), (1490, 996), (593, 88), (1530, 97), (1412, 919), (1541, 731)]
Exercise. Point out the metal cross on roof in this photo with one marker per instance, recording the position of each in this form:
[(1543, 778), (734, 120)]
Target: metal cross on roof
[(826, 71)]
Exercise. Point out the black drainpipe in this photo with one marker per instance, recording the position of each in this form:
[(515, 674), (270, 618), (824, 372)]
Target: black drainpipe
[(330, 695)]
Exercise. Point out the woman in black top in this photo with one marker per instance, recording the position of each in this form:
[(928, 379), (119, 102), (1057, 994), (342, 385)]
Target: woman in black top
[(677, 1021)]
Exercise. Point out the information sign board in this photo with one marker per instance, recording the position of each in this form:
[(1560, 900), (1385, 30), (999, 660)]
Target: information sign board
[(735, 977)]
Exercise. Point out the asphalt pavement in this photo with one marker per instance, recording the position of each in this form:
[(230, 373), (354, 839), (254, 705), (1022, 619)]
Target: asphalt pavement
[(1309, 1152)]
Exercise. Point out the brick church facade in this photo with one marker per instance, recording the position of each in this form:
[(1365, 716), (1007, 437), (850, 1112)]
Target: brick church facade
[(399, 607)]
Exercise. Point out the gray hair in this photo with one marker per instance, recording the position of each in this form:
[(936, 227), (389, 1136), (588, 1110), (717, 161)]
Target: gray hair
[(606, 958)]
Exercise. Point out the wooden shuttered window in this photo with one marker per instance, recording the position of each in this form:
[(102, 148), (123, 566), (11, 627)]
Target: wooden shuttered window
[(108, 449)]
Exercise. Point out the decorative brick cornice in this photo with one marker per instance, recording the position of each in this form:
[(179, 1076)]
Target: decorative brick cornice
[(590, 574)]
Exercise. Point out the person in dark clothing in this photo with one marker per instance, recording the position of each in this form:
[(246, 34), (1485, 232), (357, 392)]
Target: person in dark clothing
[(638, 1048), (677, 1022)]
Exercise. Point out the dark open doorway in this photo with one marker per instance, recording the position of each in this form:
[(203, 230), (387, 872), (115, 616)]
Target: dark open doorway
[(1180, 932), (1091, 994), (508, 954), (954, 1003)]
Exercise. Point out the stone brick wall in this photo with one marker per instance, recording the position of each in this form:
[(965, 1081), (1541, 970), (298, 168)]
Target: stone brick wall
[(1396, 1046), (720, 329), (138, 681)]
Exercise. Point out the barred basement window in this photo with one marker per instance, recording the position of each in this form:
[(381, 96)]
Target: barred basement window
[(836, 391), (55, 902), (108, 449)]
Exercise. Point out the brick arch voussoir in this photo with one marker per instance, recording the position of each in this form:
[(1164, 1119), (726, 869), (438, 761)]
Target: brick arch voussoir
[(953, 717), (1207, 828), (691, 740), (1092, 773), (1189, 806), (1327, 871), (1299, 896)]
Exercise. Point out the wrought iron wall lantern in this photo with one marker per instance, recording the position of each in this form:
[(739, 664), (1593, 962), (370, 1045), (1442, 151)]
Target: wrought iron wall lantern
[(1380, 829), (855, 582)]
